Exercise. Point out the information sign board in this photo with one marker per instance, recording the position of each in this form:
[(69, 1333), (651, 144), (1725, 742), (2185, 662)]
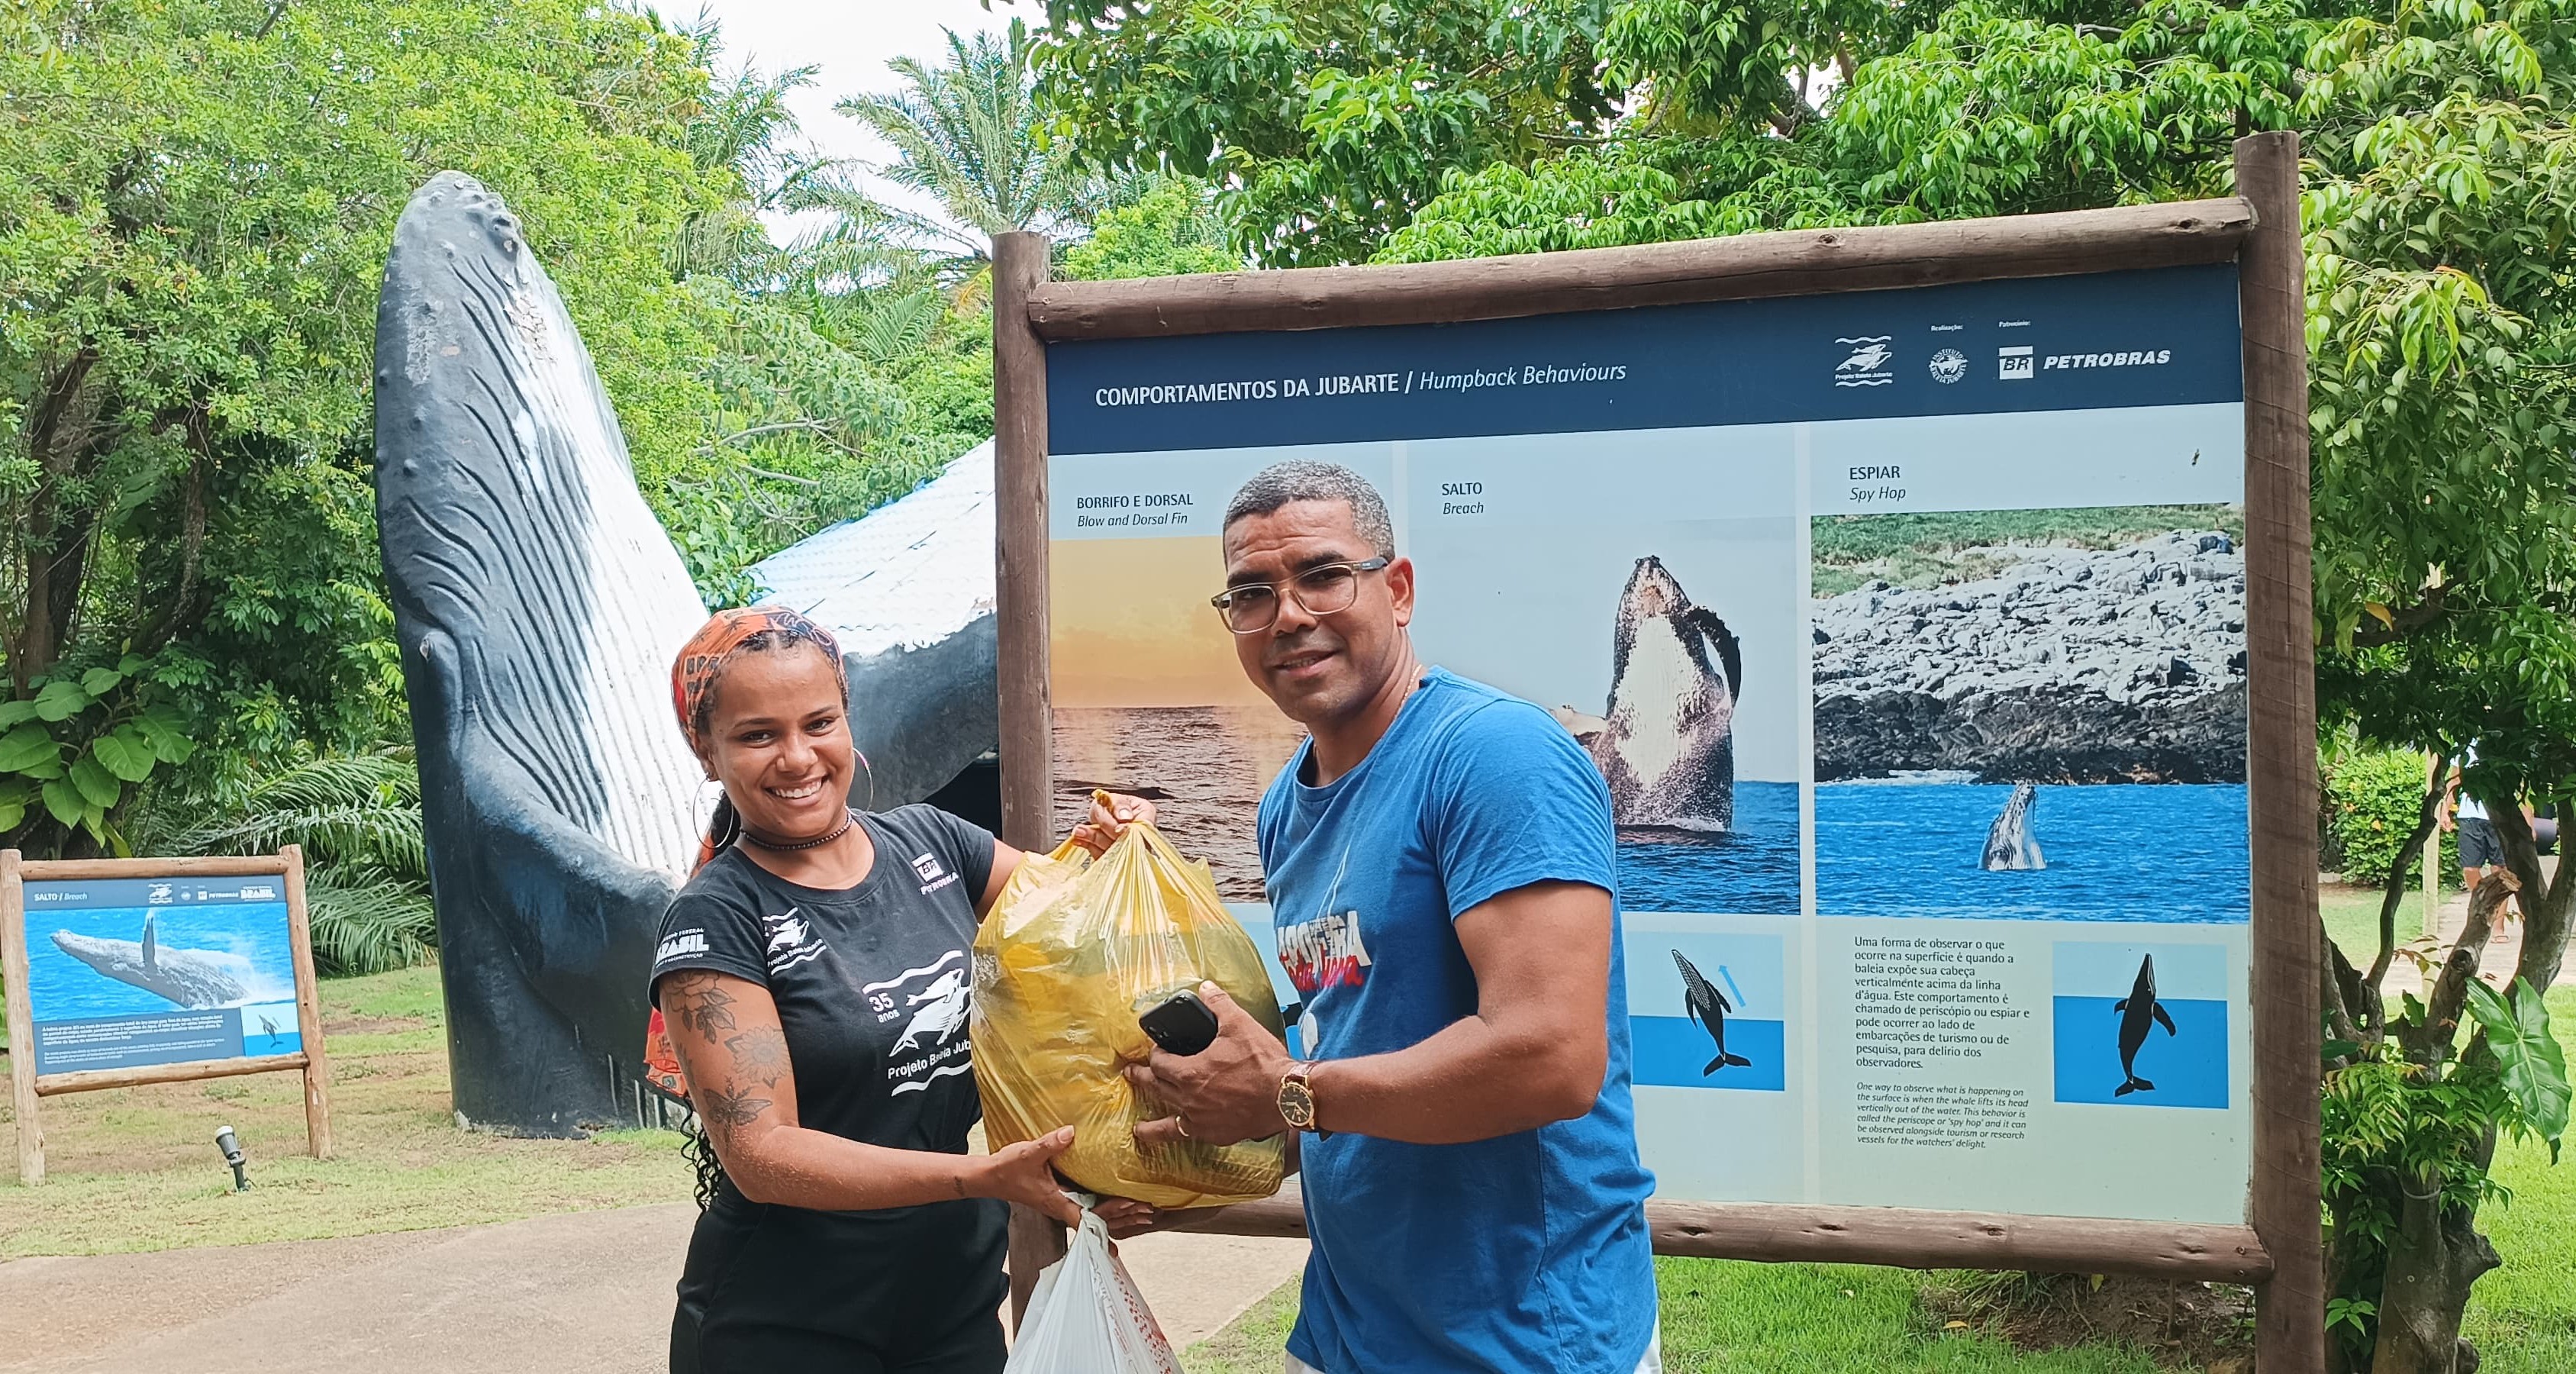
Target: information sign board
[(1907, 629), (122, 972)]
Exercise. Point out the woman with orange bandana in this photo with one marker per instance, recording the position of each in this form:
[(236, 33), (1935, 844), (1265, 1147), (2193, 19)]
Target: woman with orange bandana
[(813, 979)]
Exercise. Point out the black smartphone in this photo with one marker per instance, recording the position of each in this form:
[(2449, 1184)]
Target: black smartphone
[(1180, 1023)]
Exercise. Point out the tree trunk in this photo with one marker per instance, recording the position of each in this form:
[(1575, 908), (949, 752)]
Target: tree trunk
[(2434, 1259)]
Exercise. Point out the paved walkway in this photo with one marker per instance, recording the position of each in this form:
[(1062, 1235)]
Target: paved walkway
[(2504, 947), (581, 1290)]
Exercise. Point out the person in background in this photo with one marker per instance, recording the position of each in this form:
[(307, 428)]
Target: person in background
[(1440, 862), (814, 979), (2480, 848)]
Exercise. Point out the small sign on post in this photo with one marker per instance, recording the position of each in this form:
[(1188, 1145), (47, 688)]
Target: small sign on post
[(123, 972)]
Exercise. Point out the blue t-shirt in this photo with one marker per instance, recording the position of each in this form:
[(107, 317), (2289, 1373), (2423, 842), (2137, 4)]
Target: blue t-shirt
[(1524, 1252)]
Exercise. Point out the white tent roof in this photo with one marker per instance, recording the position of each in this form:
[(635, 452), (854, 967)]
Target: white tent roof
[(909, 573)]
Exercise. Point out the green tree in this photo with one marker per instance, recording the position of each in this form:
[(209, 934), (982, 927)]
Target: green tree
[(195, 201), (966, 134), (1169, 230), (2437, 223), (1329, 122)]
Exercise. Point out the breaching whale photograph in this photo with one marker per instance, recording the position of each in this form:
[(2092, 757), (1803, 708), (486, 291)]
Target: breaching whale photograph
[(1669, 651), (2034, 714), (103, 962)]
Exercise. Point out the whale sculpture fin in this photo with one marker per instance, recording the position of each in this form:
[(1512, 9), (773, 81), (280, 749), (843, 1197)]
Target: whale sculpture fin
[(151, 944), (2164, 1020)]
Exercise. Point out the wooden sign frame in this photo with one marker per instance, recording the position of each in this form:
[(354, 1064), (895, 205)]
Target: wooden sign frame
[(2281, 1250), (29, 1088)]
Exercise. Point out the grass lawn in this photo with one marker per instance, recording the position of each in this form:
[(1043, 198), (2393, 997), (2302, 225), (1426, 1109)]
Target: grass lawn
[(136, 1168)]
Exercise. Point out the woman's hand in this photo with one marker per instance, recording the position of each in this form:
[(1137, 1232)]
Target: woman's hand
[(1023, 1174), (1127, 1217), (1109, 819)]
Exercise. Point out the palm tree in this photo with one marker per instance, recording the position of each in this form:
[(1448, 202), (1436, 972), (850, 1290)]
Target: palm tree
[(967, 134), (366, 862)]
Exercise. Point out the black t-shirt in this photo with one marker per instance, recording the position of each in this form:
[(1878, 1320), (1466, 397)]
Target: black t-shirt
[(872, 984)]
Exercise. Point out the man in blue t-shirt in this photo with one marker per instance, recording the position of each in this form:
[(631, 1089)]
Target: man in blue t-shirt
[(1440, 862)]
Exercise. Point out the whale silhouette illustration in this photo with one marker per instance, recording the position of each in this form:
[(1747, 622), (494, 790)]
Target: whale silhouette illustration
[(2136, 1012), (1708, 1007), (1667, 747), (186, 977), (2009, 843)]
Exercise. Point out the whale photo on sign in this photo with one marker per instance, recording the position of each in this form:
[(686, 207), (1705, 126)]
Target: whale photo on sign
[(125, 972), (2033, 714), (1670, 651)]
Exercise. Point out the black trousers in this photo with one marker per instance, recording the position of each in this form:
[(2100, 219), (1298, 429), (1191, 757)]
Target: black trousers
[(739, 1348), (781, 1290)]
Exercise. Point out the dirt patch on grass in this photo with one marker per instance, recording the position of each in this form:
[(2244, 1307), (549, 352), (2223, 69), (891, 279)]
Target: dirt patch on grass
[(2184, 1324)]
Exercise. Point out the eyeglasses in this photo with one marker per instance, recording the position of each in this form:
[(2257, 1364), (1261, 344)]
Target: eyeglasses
[(1322, 590)]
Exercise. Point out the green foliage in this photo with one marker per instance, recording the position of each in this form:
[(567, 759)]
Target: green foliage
[(2528, 1060), (357, 817), (1328, 122), (2372, 800), (1169, 230)]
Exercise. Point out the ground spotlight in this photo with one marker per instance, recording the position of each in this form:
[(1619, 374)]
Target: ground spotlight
[(233, 1156)]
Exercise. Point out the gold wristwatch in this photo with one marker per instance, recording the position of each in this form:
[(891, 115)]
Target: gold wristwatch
[(1297, 1098)]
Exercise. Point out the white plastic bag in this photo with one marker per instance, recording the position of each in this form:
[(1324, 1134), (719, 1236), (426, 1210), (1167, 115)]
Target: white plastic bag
[(1086, 1317)]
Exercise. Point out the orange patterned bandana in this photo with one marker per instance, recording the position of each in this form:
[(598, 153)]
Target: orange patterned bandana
[(694, 672)]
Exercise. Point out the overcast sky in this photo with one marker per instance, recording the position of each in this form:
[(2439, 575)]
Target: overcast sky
[(852, 40)]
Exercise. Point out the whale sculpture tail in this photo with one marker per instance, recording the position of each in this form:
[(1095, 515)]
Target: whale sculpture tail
[(537, 604), (1722, 1060), (2134, 1085)]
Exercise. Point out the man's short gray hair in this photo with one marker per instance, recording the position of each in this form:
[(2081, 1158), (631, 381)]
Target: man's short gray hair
[(1303, 480)]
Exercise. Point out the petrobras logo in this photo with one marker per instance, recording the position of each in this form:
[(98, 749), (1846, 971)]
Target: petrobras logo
[(2070, 362), (2013, 364)]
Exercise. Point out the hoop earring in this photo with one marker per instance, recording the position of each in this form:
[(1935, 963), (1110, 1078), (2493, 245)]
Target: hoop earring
[(872, 779)]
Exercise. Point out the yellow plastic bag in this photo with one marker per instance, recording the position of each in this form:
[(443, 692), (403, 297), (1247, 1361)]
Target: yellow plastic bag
[(1074, 951)]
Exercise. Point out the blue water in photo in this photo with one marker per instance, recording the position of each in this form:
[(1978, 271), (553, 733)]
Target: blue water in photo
[(1752, 871), (1671, 1052), (270, 1028), (2172, 853), (2188, 1067), (245, 940)]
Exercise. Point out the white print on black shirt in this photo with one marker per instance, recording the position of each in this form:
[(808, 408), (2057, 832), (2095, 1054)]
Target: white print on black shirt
[(679, 942), (938, 998), (791, 941), (933, 877)]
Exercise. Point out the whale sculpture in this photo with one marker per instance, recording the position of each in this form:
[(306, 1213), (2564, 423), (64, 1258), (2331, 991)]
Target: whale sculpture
[(2137, 1011), (538, 604), (1707, 1006), (184, 977), (1667, 745), (2009, 845)]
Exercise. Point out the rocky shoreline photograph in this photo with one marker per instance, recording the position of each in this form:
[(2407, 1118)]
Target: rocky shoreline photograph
[(2031, 713)]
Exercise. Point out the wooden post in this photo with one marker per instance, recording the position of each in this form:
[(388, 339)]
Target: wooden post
[(2289, 1328), (22, 1021), (2433, 866), (308, 1010), (1020, 267)]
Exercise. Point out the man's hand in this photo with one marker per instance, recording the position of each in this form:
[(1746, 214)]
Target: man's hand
[(1226, 1093), (1109, 820)]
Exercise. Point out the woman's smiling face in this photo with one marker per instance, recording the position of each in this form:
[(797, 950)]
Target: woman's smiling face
[(778, 738)]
